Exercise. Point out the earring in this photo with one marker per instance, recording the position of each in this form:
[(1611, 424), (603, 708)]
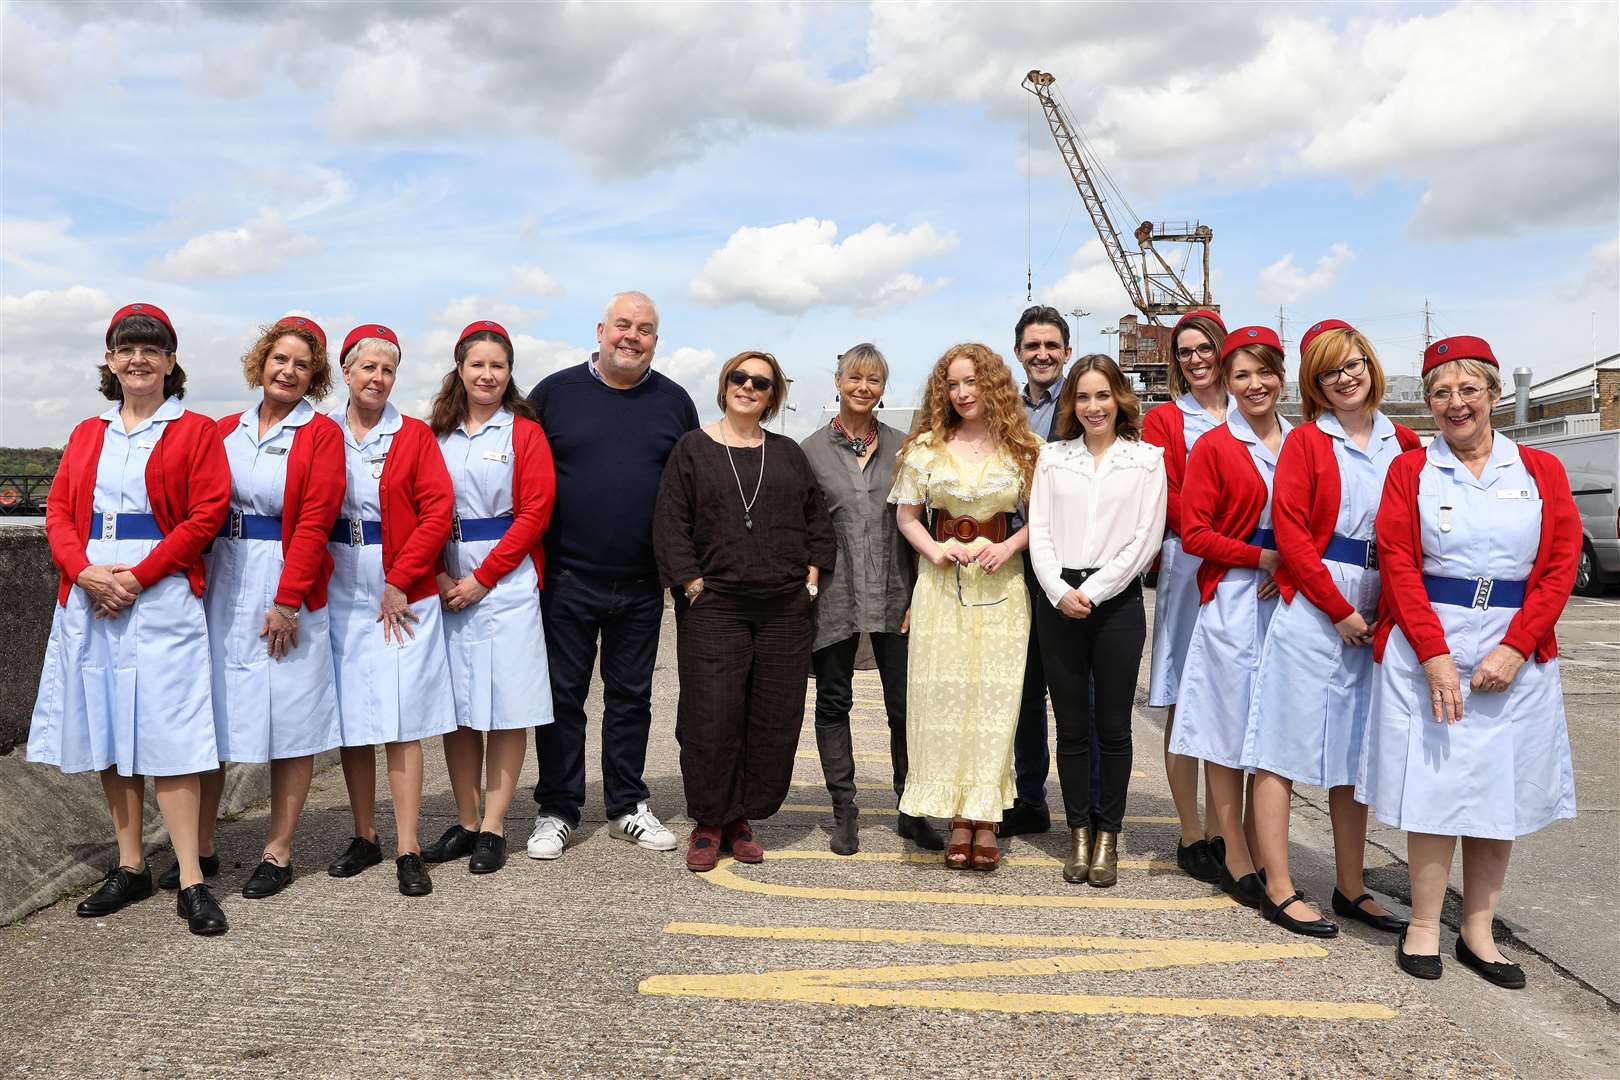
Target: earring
[(880, 403)]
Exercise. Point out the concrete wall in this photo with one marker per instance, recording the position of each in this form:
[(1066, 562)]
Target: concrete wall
[(27, 597)]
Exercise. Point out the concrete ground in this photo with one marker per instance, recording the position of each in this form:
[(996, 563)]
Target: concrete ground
[(618, 962)]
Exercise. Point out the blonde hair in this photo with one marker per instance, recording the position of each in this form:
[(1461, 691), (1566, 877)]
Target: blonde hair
[(1003, 408), (1327, 352), (864, 355), (320, 379)]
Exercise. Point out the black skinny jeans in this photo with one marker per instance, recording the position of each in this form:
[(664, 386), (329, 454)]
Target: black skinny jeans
[(1100, 653), (834, 668)]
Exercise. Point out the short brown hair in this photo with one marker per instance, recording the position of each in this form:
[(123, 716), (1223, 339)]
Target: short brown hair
[(1217, 337), (1270, 357), (320, 382), (1128, 421), (778, 391), (1327, 352)]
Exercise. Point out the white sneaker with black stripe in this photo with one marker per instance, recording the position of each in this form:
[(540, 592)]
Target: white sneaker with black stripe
[(642, 829), (549, 838)]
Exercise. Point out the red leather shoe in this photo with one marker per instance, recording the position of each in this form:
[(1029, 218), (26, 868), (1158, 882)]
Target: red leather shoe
[(703, 849), (957, 854), (986, 856), (739, 838)]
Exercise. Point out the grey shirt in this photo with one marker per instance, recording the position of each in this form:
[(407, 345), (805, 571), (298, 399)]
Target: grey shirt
[(869, 588)]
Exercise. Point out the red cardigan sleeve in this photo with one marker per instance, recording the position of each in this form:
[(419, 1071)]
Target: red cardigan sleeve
[(67, 507), (1163, 428), (1400, 560), (534, 487), (1207, 499), (435, 504), (195, 479), (1553, 576), (1306, 484), (305, 560)]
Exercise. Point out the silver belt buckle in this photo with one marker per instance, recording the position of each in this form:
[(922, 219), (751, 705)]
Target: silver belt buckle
[(1371, 561), (455, 527), (1482, 592), (109, 526), (236, 525), (357, 533)]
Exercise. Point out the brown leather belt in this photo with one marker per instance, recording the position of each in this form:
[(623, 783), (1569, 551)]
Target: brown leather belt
[(967, 529)]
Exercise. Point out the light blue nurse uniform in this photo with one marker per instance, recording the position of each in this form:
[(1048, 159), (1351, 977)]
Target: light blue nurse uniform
[(1223, 656), (1175, 595), (387, 691), (1313, 692), (264, 709), (498, 669), (1504, 770), (131, 691)]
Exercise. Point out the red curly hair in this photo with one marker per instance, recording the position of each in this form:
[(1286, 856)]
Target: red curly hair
[(1003, 408)]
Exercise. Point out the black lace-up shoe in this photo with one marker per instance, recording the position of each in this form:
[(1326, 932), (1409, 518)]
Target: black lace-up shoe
[(413, 876), (362, 853), (171, 877), (456, 843), (267, 880), (121, 886), (201, 911), (489, 855)]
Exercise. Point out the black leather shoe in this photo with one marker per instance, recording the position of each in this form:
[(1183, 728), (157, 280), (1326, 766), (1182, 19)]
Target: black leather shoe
[(171, 876), (920, 831), (1198, 861), (267, 880), (361, 854), (489, 855), (1419, 967), (413, 876), (1352, 909), (121, 886), (1025, 818), (1508, 976), (1217, 849), (1278, 913), (1247, 890), (456, 843), (201, 911)]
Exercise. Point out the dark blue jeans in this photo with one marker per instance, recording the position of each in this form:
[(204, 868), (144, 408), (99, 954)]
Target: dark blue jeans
[(1032, 760), (624, 615)]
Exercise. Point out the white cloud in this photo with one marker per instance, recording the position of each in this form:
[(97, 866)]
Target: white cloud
[(465, 309), (797, 265), (264, 244), (1090, 285), (1284, 283), (1603, 269), (535, 281)]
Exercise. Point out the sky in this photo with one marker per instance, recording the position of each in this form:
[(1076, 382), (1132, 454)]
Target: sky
[(792, 177)]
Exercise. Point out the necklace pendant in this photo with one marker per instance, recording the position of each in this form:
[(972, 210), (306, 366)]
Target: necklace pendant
[(748, 521)]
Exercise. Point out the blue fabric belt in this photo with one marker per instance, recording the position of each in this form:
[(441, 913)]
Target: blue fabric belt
[(240, 526), (355, 532), (1264, 538), (1355, 552), (1479, 593), (124, 527), (464, 530)]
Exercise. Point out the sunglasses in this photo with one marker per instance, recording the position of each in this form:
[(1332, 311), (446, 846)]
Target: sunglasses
[(762, 383), (960, 599)]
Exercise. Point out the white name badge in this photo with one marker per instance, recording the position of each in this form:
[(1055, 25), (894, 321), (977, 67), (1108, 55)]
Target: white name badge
[(1515, 493), (275, 449), (145, 444), (493, 455)]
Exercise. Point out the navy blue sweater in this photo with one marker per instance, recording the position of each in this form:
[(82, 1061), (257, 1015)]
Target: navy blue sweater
[(610, 447)]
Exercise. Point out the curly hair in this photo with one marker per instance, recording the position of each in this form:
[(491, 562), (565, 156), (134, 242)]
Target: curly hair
[(1003, 408), (320, 382), (1127, 421)]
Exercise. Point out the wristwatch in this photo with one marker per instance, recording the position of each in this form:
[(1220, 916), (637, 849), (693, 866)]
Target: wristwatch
[(811, 588)]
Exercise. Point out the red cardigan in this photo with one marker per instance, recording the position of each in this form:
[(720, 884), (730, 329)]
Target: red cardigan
[(1400, 561), (417, 504), (1221, 504), (1304, 507), (534, 489), (1165, 427), (188, 484), (316, 479)]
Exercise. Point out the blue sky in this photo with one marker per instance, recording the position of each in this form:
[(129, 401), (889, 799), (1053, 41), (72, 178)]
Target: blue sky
[(792, 177)]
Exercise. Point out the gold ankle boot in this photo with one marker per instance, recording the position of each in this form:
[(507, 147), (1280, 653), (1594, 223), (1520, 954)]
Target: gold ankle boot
[(1105, 860), (1078, 864)]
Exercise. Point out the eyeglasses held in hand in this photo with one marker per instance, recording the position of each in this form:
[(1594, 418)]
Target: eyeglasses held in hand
[(762, 383), (962, 600)]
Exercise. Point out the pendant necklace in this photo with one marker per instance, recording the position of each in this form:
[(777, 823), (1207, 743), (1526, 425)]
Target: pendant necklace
[(748, 503), (857, 444)]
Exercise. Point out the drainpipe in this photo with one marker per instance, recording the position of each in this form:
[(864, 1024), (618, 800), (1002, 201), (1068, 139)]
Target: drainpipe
[(1521, 396)]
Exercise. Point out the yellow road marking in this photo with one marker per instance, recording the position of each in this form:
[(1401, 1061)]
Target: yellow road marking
[(930, 858), (889, 811)]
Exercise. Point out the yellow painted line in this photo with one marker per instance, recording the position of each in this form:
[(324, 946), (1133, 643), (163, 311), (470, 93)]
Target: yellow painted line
[(930, 858), (723, 876), (889, 811)]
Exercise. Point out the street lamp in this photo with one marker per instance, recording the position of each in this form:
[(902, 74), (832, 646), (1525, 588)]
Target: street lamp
[(1077, 315)]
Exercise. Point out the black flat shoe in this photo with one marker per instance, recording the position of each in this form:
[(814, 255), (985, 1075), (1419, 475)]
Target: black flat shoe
[(121, 886), (267, 880), (1198, 862), (171, 876), (201, 911), (362, 853), (456, 843), (1217, 849), (1508, 976), (1247, 890), (413, 876), (1025, 818), (920, 831), (1278, 913), (1352, 909), (490, 854), (1419, 967)]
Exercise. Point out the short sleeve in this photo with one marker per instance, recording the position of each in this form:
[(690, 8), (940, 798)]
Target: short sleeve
[(911, 473)]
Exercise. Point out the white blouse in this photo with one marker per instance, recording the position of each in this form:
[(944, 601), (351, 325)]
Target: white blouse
[(1102, 513)]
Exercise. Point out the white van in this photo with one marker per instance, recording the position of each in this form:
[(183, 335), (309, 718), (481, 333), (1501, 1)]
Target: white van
[(1593, 464)]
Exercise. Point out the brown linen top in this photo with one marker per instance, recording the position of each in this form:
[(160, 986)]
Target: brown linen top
[(698, 526)]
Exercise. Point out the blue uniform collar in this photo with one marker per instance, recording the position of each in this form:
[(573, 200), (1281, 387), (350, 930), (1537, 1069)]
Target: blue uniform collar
[(171, 409), (1382, 427), (301, 414), (388, 425)]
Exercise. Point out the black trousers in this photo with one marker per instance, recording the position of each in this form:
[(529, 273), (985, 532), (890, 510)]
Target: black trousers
[(1101, 655), (744, 664), (1031, 758), (834, 668)]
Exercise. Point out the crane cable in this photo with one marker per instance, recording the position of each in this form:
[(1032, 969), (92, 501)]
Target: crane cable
[(1029, 201)]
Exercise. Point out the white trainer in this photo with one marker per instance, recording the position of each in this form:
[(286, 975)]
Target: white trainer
[(642, 829), (549, 838)]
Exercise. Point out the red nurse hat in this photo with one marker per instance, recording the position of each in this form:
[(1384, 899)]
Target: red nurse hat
[(1249, 335), (1205, 312), (360, 333), (1321, 328), (1464, 347), (479, 326), (303, 322), (151, 310)]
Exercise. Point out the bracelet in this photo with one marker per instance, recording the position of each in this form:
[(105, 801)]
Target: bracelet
[(286, 612)]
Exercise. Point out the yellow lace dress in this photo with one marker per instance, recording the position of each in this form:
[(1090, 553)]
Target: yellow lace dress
[(966, 663)]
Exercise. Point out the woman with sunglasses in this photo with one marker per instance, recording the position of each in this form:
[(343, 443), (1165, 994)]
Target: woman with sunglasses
[(741, 532), (1314, 689), (969, 461)]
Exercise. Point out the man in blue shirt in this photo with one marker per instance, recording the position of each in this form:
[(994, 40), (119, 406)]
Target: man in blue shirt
[(611, 423)]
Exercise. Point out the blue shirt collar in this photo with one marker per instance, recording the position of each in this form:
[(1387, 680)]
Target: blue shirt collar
[(590, 366), (388, 425), (171, 409)]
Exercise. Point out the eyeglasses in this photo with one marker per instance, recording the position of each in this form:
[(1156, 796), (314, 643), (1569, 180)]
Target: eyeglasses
[(150, 353), (1465, 394), (1206, 351), (1352, 367), (762, 383), (960, 599)]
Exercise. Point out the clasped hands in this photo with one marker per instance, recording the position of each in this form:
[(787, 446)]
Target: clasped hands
[(112, 588), (991, 557), (1494, 674)]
